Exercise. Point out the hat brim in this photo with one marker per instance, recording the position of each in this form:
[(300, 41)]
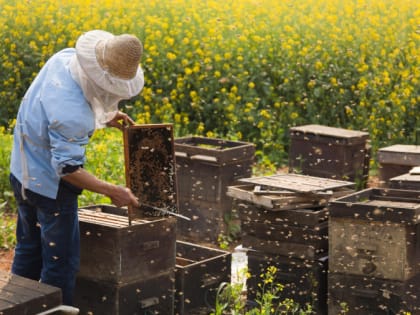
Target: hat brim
[(86, 55)]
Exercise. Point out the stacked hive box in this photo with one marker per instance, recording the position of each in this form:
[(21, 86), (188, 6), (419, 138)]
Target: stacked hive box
[(199, 272), (125, 269), (128, 255), (408, 181), (19, 295), (205, 167), (330, 152), (284, 224), (374, 261), (397, 160)]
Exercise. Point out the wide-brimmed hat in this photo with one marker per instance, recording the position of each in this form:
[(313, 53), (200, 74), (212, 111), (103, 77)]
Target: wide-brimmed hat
[(112, 61)]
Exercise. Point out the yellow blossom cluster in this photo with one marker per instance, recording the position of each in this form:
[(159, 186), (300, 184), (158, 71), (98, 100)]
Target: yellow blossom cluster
[(241, 69)]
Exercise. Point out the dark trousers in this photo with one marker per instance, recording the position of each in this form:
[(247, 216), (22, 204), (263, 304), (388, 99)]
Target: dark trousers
[(48, 240)]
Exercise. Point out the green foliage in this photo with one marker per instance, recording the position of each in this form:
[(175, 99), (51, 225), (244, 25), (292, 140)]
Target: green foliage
[(6, 195), (7, 229), (229, 299)]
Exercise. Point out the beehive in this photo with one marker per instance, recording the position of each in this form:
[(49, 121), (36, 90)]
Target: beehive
[(205, 167), (396, 160), (199, 272), (19, 295), (376, 233), (330, 152), (304, 281)]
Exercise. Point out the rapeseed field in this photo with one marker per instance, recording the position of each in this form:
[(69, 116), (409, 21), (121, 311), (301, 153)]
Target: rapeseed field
[(241, 69)]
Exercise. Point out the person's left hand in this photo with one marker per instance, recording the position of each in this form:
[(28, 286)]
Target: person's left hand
[(120, 120)]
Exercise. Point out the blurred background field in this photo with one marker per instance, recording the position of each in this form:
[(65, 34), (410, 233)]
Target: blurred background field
[(239, 69)]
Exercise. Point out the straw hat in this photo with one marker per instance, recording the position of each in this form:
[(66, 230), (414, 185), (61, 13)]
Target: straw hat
[(112, 62)]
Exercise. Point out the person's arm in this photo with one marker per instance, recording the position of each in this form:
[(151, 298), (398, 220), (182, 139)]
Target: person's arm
[(120, 196)]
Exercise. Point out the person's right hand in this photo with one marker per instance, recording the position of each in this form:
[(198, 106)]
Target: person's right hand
[(122, 196)]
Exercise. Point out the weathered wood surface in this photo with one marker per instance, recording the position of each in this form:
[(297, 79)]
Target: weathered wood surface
[(114, 251), (205, 168), (304, 281), (289, 191), (284, 200), (152, 295), (21, 296), (394, 205), (330, 152), (396, 160), (213, 149), (368, 295), (150, 168), (199, 272), (349, 136), (384, 250), (400, 154), (405, 181), (296, 217), (297, 182)]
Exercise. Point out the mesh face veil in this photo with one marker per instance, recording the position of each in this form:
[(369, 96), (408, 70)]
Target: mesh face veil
[(107, 69), (104, 104)]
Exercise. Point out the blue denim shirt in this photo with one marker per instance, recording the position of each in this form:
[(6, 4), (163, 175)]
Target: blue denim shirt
[(53, 125)]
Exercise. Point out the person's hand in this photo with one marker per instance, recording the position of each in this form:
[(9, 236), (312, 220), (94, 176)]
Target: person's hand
[(122, 196), (120, 120)]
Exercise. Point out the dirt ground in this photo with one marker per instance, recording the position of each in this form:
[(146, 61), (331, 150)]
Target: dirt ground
[(6, 257)]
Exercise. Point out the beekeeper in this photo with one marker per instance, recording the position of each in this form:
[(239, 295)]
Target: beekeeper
[(75, 92)]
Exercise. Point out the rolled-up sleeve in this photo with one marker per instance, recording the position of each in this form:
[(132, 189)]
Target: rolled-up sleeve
[(67, 149)]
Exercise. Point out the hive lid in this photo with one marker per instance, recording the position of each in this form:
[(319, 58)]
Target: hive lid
[(213, 149), (297, 182), (150, 168), (289, 191), (400, 154), (330, 131)]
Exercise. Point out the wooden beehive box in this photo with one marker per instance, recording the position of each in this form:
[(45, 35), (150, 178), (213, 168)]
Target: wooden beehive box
[(364, 295), (114, 251), (304, 281), (152, 295), (19, 295), (284, 214), (375, 233), (205, 167), (199, 272), (128, 254), (396, 160), (407, 181), (330, 152)]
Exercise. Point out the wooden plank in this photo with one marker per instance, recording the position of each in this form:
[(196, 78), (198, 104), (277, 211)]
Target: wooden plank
[(294, 217), (385, 250), (19, 295), (222, 151), (153, 295), (297, 182), (279, 201), (106, 219), (364, 295), (295, 250), (197, 282), (392, 203), (331, 131), (400, 154)]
